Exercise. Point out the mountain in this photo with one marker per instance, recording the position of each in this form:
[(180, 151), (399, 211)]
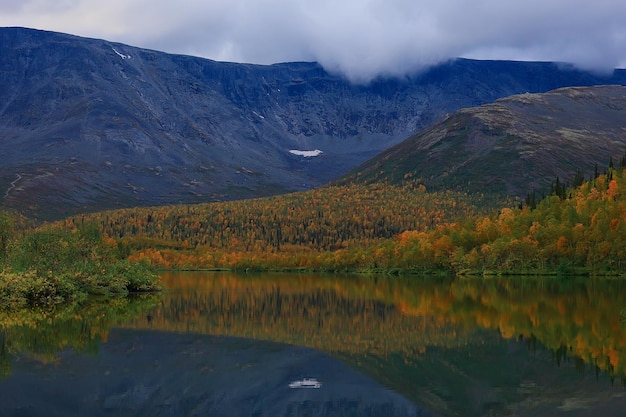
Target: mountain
[(88, 124), (512, 146)]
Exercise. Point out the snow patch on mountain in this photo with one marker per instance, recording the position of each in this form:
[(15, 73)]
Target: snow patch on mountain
[(306, 154), (120, 54)]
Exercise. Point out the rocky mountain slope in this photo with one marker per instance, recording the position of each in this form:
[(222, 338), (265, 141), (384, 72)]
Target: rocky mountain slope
[(88, 124), (513, 146)]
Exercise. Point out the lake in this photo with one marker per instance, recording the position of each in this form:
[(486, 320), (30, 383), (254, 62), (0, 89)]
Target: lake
[(224, 344)]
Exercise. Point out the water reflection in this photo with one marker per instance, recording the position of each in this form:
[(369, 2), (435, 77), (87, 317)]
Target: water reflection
[(466, 347), (43, 333), (458, 346), (141, 373), (386, 315)]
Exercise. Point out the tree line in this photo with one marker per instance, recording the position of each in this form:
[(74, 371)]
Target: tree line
[(322, 220), (385, 228)]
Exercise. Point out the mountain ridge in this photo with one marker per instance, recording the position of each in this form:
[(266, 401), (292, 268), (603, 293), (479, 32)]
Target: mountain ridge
[(89, 124), (515, 145)]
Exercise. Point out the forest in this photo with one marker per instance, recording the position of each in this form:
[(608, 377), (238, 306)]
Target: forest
[(384, 227), (299, 230)]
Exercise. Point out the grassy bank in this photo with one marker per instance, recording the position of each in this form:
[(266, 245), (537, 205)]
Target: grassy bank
[(50, 265)]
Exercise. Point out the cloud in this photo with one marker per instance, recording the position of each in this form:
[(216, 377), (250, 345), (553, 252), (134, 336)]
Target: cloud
[(360, 39)]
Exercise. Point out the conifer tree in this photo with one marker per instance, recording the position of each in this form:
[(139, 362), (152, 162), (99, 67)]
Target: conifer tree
[(579, 178)]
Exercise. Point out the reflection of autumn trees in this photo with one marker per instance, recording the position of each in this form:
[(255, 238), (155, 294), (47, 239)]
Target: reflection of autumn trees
[(384, 317), (377, 315), (305, 310), (579, 315)]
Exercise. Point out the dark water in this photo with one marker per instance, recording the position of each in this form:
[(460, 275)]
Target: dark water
[(220, 344)]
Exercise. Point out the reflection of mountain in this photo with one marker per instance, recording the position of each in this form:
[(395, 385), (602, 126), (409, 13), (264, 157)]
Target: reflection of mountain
[(172, 374)]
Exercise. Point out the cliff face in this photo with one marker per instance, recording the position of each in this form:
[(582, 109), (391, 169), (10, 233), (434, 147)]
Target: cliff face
[(88, 124)]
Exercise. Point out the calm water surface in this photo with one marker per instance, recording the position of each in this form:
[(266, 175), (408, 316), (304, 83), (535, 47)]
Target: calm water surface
[(222, 344)]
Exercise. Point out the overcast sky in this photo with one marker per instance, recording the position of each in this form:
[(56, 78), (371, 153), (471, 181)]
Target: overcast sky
[(358, 38)]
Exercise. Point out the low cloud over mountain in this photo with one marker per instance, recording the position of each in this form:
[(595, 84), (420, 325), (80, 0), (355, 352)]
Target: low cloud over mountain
[(359, 39)]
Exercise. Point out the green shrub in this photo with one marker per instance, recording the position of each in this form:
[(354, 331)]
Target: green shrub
[(48, 266)]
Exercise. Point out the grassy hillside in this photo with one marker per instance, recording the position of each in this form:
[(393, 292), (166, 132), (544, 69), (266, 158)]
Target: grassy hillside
[(512, 146)]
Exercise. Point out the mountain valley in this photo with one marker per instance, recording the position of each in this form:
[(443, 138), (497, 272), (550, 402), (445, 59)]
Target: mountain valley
[(88, 124)]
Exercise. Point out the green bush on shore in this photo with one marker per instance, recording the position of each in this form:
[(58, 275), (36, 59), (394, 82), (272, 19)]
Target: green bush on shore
[(51, 265)]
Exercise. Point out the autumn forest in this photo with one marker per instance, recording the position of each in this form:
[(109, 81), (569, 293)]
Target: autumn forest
[(381, 227)]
